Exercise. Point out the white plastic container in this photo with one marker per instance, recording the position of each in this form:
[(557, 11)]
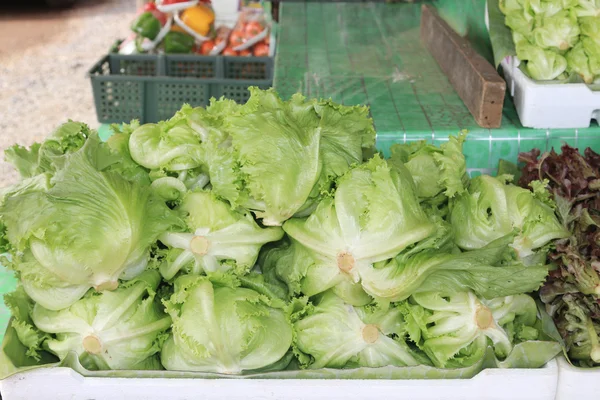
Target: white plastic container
[(170, 8), (577, 383), (550, 105), (490, 384)]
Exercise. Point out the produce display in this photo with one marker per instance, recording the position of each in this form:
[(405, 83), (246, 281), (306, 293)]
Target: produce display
[(184, 27), (556, 39), (572, 291), (271, 238)]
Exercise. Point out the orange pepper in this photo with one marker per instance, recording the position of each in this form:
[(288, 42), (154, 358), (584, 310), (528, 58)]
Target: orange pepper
[(199, 19)]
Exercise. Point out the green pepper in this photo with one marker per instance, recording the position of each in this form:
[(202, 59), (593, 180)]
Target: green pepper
[(146, 25), (178, 42)]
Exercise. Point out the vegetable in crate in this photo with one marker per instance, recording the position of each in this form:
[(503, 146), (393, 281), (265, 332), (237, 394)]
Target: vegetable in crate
[(122, 329), (199, 18), (178, 43), (224, 329), (80, 224), (151, 7), (572, 291), (250, 35), (146, 25)]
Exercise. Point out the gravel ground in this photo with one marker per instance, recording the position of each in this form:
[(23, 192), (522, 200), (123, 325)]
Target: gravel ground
[(44, 58)]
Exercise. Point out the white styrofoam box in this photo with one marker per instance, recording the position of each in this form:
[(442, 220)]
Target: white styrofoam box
[(577, 383), (490, 384), (550, 105)]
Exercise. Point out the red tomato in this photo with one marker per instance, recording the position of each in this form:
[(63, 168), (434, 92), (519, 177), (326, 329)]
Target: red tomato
[(149, 7), (245, 53), (261, 50), (167, 2), (161, 17), (207, 46), (228, 51), (236, 38), (252, 29)]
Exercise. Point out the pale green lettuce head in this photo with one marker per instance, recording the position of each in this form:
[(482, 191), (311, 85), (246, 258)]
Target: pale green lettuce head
[(305, 272), (332, 334), (223, 329), (120, 329), (217, 238), (558, 32), (480, 215), (171, 145), (40, 157), (549, 8), (546, 65), (454, 330), (274, 159), (536, 222), (592, 49), (588, 8), (492, 209), (90, 229), (373, 215), (520, 21), (282, 155), (434, 169), (447, 270), (579, 62)]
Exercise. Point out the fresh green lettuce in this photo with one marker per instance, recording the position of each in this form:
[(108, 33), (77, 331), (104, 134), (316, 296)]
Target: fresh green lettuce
[(223, 329), (373, 215), (120, 329), (90, 229), (332, 334), (217, 238)]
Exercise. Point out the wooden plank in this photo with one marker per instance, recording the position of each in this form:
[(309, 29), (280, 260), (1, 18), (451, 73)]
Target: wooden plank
[(475, 80)]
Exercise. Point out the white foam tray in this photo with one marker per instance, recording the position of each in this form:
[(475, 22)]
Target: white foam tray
[(550, 105), (577, 383), (490, 384)]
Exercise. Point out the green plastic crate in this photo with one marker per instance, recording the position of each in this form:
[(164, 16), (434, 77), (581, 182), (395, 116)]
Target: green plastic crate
[(151, 88)]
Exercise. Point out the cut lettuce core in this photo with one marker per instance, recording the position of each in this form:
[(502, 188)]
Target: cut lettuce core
[(92, 344), (370, 333)]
